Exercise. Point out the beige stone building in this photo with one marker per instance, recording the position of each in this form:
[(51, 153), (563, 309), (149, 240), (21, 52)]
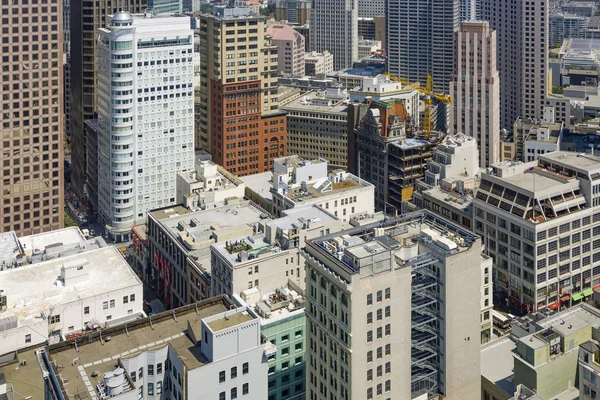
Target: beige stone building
[(389, 300), (31, 149), (318, 63)]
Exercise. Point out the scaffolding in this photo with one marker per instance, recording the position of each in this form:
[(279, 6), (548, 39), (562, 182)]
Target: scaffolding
[(424, 334)]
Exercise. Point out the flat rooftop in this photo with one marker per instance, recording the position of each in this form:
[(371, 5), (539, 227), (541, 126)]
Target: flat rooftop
[(31, 289), (319, 101), (532, 182), (453, 199), (324, 187), (169, 212), (10, 248), (260, 184), (292, 216), (168, 328), (497, 363), (229, 321), (553, 137), (578, 317), (585, 162), (26, 380), (41, 241)]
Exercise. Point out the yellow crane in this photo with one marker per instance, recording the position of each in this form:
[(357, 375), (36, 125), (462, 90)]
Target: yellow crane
[(429, 95)]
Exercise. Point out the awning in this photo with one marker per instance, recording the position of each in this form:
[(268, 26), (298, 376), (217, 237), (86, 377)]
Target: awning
[(514, 301), (565, 298), (588, 292), (577, 296), (596, 287), (553, 306)]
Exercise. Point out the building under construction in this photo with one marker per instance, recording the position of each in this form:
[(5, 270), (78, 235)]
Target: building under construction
[(390, 153)]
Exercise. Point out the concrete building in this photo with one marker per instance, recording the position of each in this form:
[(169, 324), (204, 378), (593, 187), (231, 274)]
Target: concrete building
[(66, 296), (469, 10), (179, 243), (388, 156), (367, 283), (127, 146), (420, 40), (207, 185), (243, 136), (589, 369), (475, 89), (318, 63), (528, 130), (372, 28), (31, 150), (566, 26), (283, 323), (371, 8), (317, 126), (521, 30), (585, 9), (450, 180), (269, 257), (86, 17), (211, 349), (334, 27), (297, 182), (536, 220), (368, 48), (295, 12), (540, 359), (164, 6), (353, 77), (290, 49)]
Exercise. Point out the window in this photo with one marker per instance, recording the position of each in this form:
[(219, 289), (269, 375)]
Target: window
[(245, 388), (387, 293), (298, 347), (379, 371), (150, 369), (388, 367), (221, 376), (245, 368), (112, 303), (379, 296), (222, 396), (370, 375), (369, 356), (369, 336), (28, 338), (369, 393), (133, 376), (298, 333), (285, 351), (233, 372), (285, 365), (379, 353), (379, 333), (141, 373), (132, 298), (86, 310), (369, 318), (233, 393), (105, 305), (388, 386), (369, 299), (379, 314), (388, 349), (55, 319), (388, 330), (159, 368), (150, 389), (387, 311), (158, 387), (125, 299), (285, 338)]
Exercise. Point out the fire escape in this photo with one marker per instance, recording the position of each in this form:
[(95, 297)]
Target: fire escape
[(424, 335)]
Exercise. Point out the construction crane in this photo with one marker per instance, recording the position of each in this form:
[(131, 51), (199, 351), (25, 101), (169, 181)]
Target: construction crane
[(429, 95)]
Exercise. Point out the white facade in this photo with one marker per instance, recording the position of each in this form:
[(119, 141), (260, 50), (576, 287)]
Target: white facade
[(366, 48), (475, 89), (299, 182), (67, 295), (145, 115), (455, 159), (317, 63)]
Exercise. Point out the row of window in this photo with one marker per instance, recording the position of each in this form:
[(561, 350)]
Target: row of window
[(233, 373), (234, 392)]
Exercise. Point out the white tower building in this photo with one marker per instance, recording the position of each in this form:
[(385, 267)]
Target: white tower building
[(145, 115)]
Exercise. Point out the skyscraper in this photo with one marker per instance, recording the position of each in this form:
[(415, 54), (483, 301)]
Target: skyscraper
[(371, 8), (475, 89), (31, 149), (145, 116), (469, 10), (240, 123), (420, 39), (86, 17), (334, 27), (522, 37)]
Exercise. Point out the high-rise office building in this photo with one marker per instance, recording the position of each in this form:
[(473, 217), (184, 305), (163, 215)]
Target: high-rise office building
[(420, 40), (334, 27), (165, 6), (386, 309), (86, 17), (521, 32), (145, 115), (31, 149), (469, 10), (240, 123), (475, 89), (371, 8), (295, 12)]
